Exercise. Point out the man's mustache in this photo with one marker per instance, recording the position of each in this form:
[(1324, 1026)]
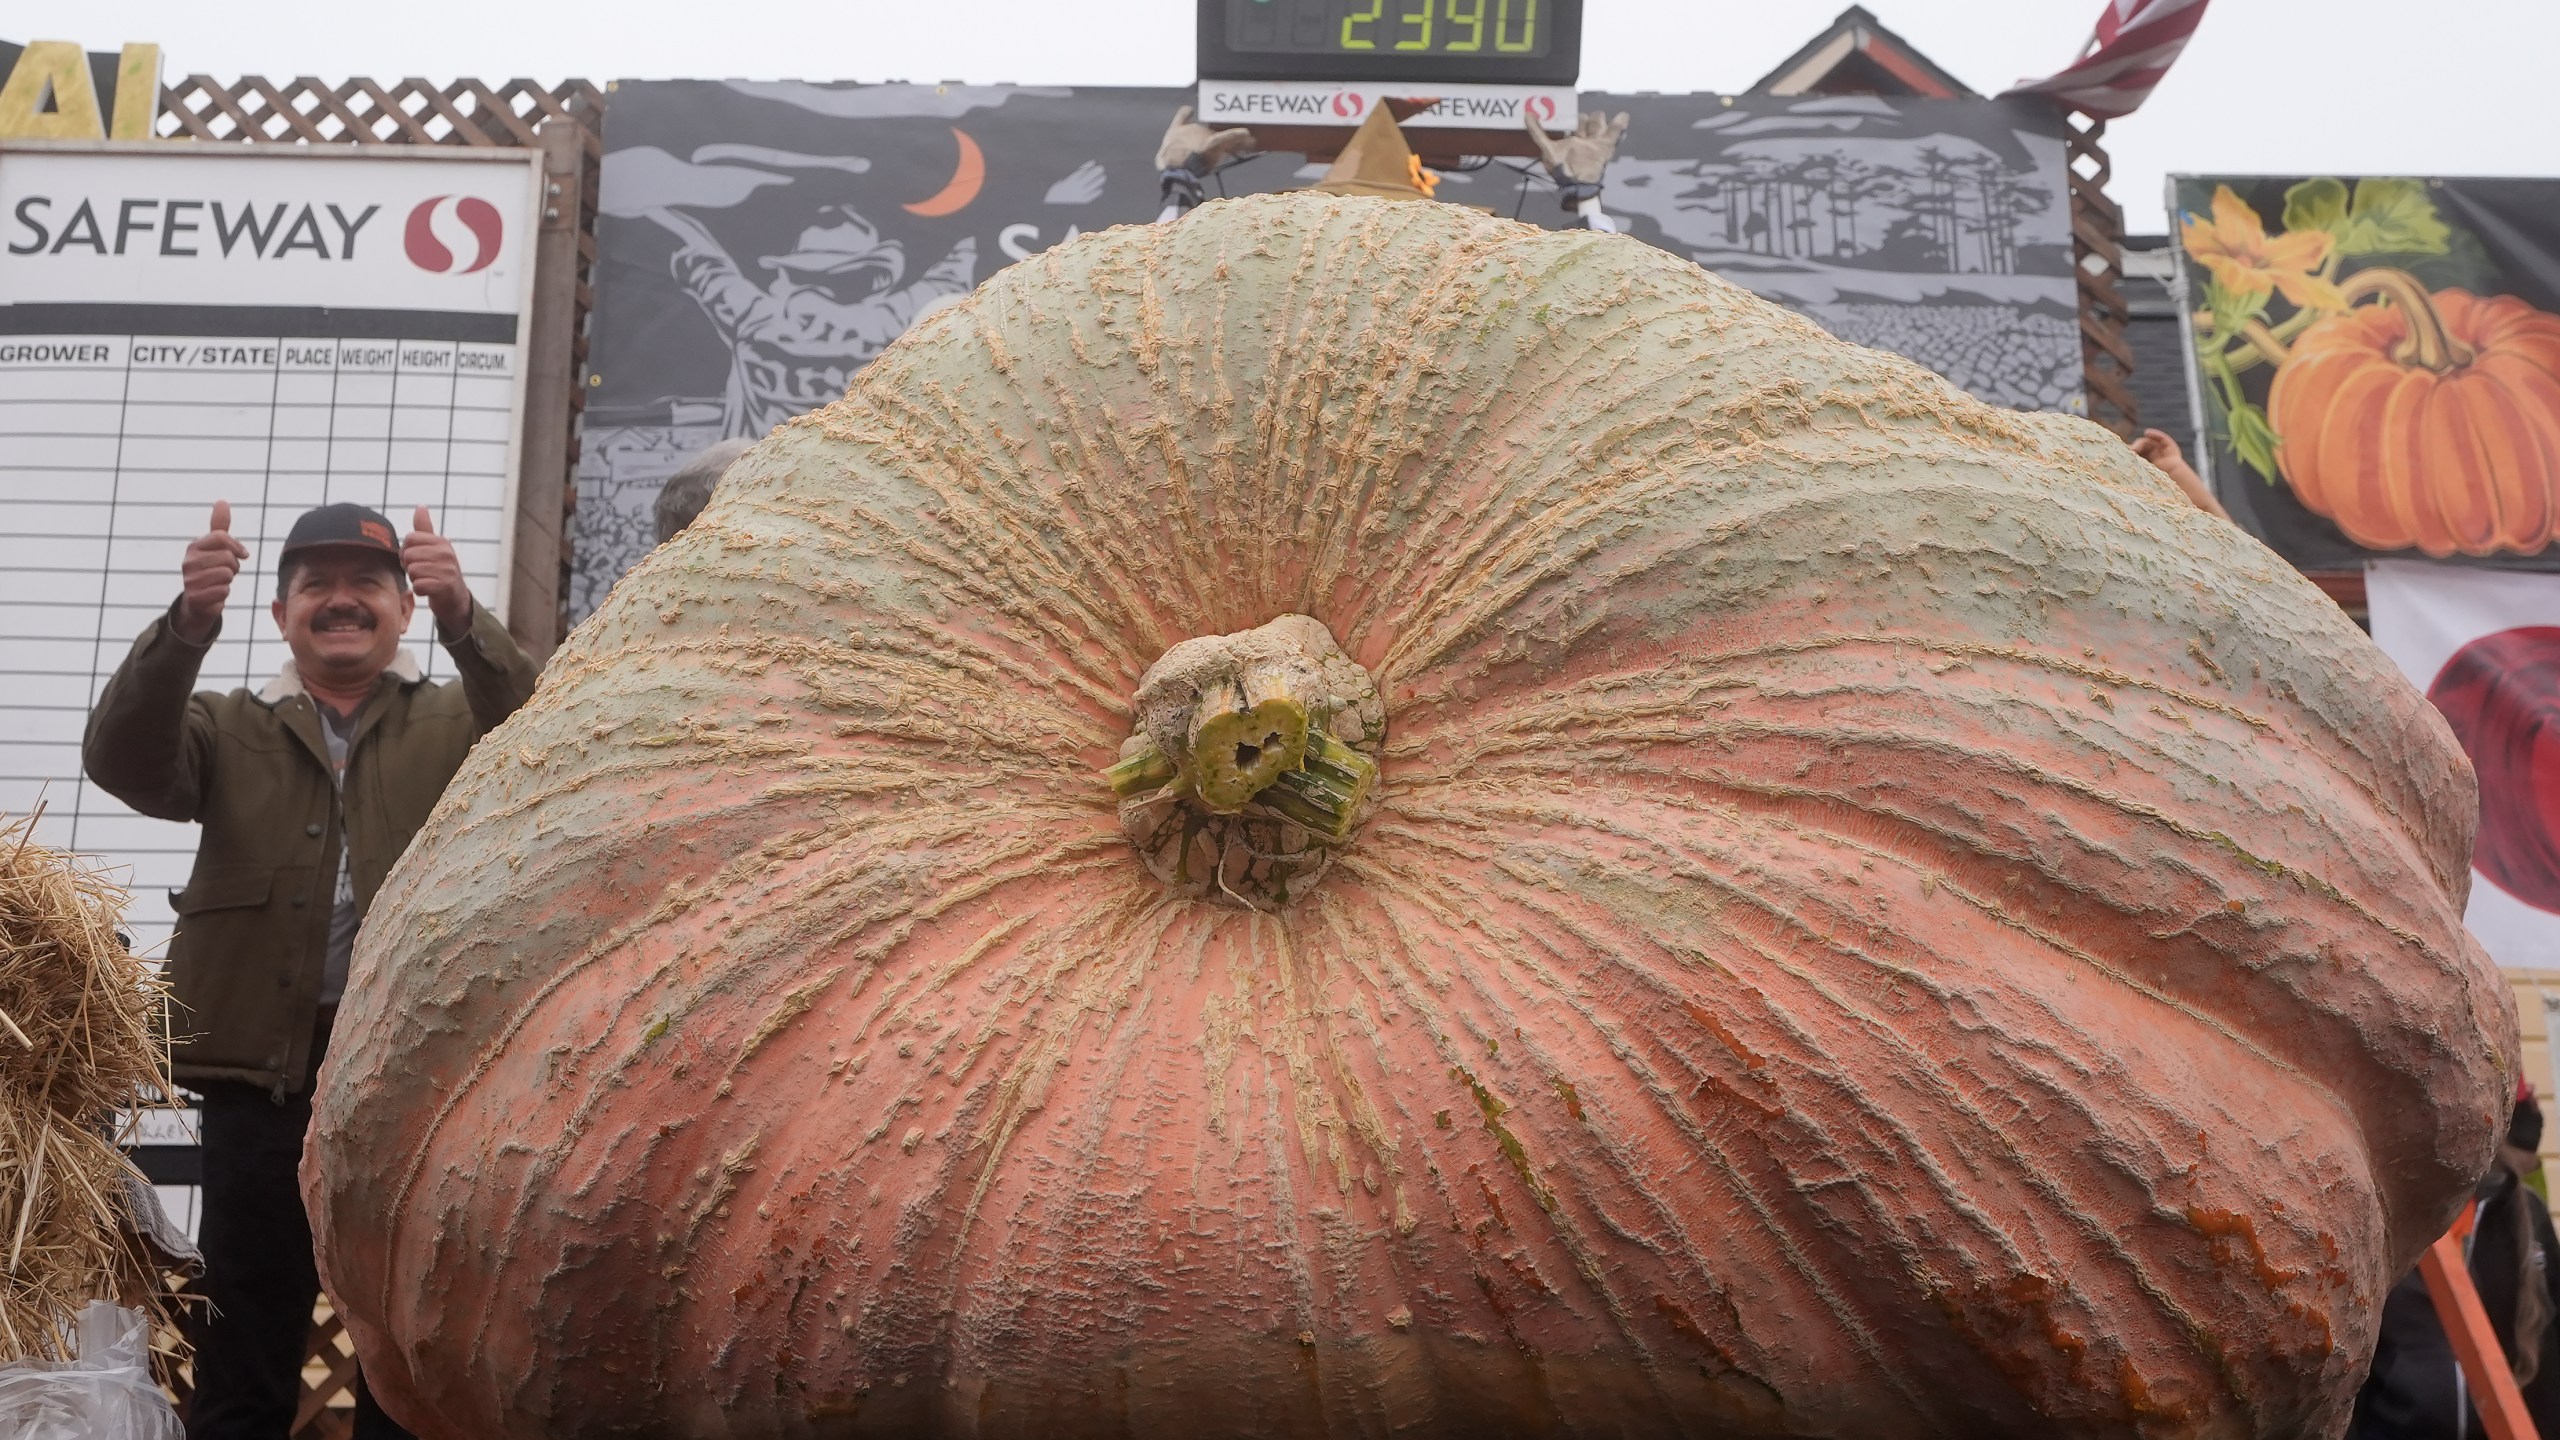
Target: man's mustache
[(344, 617)]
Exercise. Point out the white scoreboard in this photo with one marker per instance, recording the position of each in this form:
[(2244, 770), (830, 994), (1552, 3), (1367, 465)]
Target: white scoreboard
[(279, 327)]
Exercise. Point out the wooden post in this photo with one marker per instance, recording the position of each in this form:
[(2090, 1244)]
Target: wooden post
[(2097, 268), (2475, 1343), (548, 449)]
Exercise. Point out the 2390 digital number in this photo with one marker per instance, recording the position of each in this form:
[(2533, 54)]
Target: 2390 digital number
[(1445, 27)]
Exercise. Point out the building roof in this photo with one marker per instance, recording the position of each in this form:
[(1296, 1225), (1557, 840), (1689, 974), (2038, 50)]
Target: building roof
[(1858, 56)]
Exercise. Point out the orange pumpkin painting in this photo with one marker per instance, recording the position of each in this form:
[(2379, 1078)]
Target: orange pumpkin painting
[(2431, 422)]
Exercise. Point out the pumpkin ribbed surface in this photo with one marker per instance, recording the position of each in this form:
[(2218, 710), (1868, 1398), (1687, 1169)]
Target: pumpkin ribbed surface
[(1874, 919), (2460, 460)]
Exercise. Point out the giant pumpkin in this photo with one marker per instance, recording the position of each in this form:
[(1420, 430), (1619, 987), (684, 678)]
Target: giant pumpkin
[(1809, 906), (2431, 422)]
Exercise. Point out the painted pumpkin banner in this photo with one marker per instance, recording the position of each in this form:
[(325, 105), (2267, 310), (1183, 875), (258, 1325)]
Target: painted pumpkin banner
[(2376, 363)]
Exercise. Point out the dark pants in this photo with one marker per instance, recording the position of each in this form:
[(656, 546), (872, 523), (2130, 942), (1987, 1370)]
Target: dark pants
[(258, 1272)]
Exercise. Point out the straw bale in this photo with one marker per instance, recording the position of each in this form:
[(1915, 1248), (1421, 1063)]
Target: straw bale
[(83, 1047)]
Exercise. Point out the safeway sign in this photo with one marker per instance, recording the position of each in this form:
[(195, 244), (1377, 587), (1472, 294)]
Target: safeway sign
[(384, 228), (1449, 107)]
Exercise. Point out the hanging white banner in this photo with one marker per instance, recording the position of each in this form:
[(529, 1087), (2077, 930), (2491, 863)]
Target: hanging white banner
[(2485, 646)]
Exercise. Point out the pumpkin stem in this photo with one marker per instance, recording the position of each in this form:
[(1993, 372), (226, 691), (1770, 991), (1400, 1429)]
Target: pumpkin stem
[(1256, 739), (1246, 731), (2269, 344), (1325, 792), (2429, 343), (1140, 770)]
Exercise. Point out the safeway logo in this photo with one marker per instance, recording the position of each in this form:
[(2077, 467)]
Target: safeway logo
[(445, 228), (1348, 104), (1541, 106)]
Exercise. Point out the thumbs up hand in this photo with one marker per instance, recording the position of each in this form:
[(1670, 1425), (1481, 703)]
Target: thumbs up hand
[(435, 572), (205, 576)]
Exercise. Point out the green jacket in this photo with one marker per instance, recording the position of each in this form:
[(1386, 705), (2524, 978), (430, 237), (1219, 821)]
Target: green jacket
[(253, 923)]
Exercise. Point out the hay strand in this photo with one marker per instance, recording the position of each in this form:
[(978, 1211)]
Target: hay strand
[(28, 1196), (88, 1021)]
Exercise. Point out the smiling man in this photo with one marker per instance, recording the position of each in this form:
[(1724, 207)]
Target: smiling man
[(308, 790)]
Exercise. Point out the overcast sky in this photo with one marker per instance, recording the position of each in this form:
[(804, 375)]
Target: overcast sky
[(2453, 87)]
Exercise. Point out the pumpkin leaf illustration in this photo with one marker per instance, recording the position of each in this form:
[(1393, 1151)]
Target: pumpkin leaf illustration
[(2391, 217), (2254, 440), (2319, 204), (2231, 309)]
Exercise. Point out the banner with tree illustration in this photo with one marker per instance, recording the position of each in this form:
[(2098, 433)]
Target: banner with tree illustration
[(2376, 363)]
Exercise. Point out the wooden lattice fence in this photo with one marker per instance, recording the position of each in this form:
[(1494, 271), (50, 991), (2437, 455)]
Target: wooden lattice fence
[(406, 112), (326, 1410), (2097, 269)]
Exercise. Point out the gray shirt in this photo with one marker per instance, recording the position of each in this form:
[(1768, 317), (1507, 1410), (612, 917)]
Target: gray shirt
[(340, 732)]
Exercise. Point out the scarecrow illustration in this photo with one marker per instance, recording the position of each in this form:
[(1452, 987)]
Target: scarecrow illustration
[(832, 305)]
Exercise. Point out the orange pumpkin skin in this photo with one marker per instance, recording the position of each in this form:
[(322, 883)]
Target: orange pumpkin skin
[(2467, 461), (1881, 921)]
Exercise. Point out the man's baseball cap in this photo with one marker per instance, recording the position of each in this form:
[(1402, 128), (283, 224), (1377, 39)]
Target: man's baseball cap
[(345, 523)]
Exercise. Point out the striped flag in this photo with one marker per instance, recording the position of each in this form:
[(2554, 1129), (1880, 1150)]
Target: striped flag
[(2135, 44)]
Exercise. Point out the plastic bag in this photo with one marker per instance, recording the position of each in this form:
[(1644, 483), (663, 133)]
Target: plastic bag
[(106, 1394)]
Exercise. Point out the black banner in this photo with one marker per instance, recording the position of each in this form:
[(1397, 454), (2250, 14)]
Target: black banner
[(2375, 363), (761, 241)]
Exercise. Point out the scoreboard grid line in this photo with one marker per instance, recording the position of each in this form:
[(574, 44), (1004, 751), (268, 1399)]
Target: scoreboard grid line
[(124, 399)]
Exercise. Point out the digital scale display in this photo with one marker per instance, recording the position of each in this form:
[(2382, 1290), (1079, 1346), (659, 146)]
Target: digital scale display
[(1427, 42), (1480, 29)]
